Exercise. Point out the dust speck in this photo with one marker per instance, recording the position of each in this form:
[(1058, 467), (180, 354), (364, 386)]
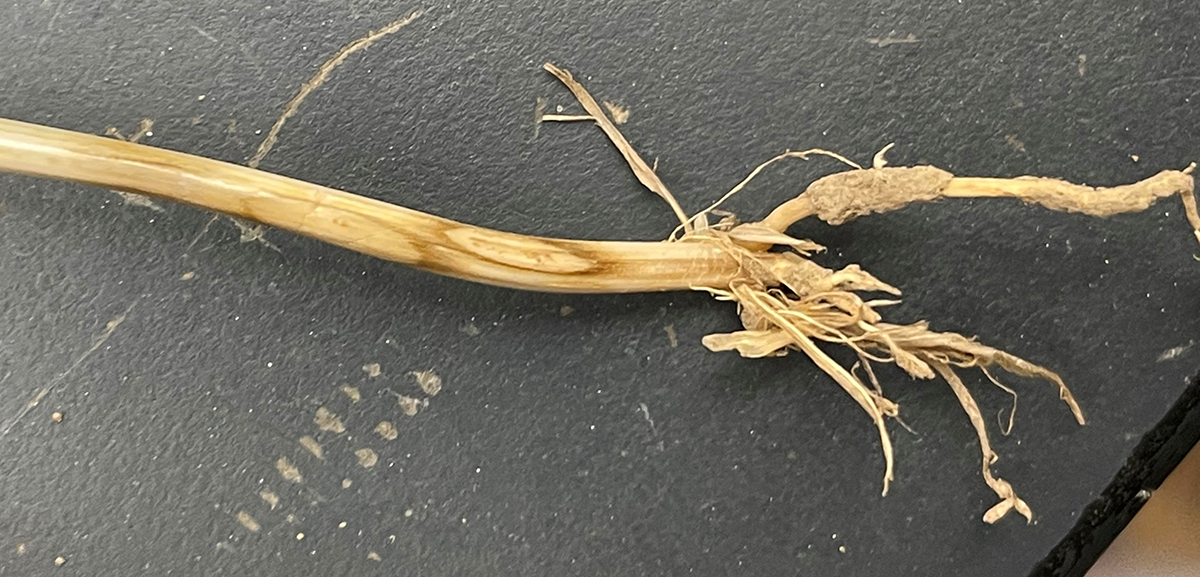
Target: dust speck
[(565, 310), (1135, 157), (299, 536), (620, 114), (372, 369), (428, 381), (270, 498), (671, 337), (312, 446), (408, 512), (327, 420), (60, 561), (346, 483), (342, 525), (387, 430), (138, 200), (1013, 143), (374, 556), (288, 470), (189, 275), (408, 405), (1082, 64), (20, 548), (841, 549), (248, 522), (56, 416), (366, 457), (539, 110), (352, 392), (470, 330)]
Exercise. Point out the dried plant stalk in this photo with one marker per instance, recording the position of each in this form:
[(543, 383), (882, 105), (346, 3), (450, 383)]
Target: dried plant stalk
[(786, 301), (362, 224)]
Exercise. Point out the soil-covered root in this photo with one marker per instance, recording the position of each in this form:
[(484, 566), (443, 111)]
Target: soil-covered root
[(844, 196)]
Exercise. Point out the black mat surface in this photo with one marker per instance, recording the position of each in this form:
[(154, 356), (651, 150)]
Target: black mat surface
[(582, 444)]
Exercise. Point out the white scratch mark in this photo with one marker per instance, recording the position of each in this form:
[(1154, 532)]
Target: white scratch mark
[(109, 329), (890, 40), (205, 34), (646, 414), (1175, 352)]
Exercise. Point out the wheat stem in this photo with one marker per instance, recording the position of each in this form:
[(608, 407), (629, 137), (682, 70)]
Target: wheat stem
[(363, 224)]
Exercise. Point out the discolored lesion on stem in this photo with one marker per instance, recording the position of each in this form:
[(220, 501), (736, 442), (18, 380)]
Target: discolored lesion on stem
[(786, 301)]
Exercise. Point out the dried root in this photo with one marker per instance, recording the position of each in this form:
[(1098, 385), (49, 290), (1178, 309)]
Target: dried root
[(788, 302), (792, 303)]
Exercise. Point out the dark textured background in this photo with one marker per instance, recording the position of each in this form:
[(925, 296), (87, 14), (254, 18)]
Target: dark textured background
[(537, 457)]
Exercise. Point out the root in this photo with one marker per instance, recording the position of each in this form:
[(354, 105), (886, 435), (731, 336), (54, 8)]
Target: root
[(1008, 498), (788, 302), (1012, 413), (844, 196), (798, 303), (803, 155), (767, 307)]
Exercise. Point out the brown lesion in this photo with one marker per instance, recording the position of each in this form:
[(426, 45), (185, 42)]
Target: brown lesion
[(522, 253)]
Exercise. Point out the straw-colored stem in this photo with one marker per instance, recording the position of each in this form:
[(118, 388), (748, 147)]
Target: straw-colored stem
[(789, 213), (362, 224)]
